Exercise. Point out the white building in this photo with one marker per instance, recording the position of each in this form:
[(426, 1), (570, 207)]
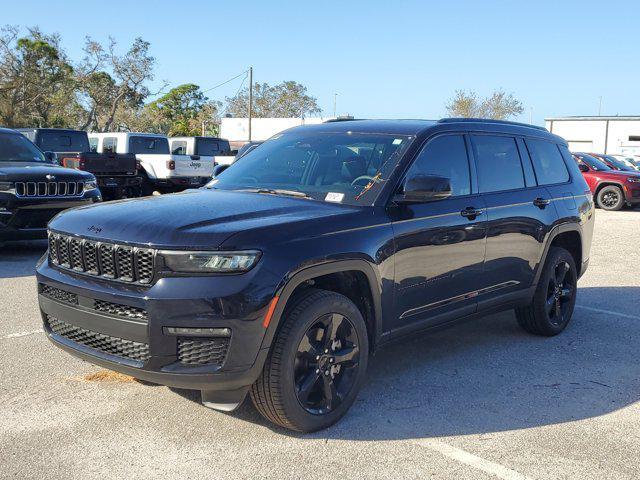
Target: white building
[(236, 130), (598, 134)]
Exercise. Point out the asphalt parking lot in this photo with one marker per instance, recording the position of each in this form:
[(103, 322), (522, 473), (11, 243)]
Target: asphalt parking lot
[(482, 400)]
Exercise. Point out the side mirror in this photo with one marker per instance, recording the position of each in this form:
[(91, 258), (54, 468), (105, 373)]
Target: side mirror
[(583, 167), (218, 169), (51, 157), (424, 188)]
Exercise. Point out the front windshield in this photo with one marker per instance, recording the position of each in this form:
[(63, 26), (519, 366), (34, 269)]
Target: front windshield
[(619, 164), (16, 148), (343, 167), (593, 162)]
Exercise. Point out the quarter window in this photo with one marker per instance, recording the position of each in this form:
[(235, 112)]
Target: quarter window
[(547, 162), (498, 163), (445, 156)]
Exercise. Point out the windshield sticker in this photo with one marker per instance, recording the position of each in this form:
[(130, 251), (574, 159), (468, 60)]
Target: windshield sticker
[(334, 197), (397, 141)]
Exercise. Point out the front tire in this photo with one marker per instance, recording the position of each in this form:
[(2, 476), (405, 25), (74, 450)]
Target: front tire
[(316, 365), (555, 297), (610, 198)]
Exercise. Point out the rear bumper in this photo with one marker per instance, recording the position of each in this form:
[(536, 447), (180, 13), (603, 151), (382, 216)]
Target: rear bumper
[(182, 182), (118, 181)]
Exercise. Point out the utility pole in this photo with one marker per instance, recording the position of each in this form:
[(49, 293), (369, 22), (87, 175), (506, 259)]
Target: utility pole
[(530, 115), (335, 100), (204, 122), (250, 98), (600, 107)]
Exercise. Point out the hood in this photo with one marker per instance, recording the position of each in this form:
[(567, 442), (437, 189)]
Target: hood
[(36, 172), (191, 219)]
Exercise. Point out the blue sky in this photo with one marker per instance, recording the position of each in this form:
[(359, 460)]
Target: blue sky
[(400, 59)]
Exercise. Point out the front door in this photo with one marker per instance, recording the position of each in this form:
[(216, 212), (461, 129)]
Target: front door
[(440, 245)]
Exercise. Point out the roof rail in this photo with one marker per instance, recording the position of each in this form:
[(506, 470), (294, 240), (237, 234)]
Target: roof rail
[(489, 120), (342, 118)]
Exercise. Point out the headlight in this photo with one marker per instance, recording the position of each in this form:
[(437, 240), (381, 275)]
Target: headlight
[(210, 262), (90, 185), (633, 179)]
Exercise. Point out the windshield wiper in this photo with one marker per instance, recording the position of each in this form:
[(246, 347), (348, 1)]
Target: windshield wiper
[(277, 191)]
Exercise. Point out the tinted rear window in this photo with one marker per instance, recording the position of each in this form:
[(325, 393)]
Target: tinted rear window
[(148, 145), (498, 163), (209, 146), (63, 141), (547, 162)]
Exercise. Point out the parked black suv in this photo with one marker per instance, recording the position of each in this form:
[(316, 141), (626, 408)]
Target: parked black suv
[(284, 273), (34, 188)]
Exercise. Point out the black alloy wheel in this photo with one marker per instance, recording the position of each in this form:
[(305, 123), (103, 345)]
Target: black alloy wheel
[(610, 198), (326, 363), (560, 292)]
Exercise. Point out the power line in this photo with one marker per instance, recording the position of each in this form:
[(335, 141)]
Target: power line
[(227, 81)]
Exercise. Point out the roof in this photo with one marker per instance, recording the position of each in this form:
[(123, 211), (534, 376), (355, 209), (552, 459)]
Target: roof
[(113, 134), (198, 137), (595, 118), (33, 129), (8, 130)]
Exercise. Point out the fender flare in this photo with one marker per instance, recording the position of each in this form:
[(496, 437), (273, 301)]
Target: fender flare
[(606, 183), (555, 231), (285, 292)]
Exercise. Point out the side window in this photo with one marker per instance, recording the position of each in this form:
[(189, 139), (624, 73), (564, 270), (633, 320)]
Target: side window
[(547, 162), (93, 144), (179, 147), (498, 163), (109, 145), (445, 156)]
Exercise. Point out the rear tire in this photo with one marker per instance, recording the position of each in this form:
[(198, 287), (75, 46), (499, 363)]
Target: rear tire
[(552, 306), (610, 198), (317, 363)]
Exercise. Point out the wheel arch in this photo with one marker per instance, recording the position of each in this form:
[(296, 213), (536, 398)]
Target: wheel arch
[(369, 277), (607, 183), (567, 236)]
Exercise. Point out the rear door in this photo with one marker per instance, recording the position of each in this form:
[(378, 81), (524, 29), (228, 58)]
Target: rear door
[(520, 214), (440, 244)]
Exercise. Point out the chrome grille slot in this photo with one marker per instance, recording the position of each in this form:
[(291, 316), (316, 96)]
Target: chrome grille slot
[(118, 262), (49, 189)]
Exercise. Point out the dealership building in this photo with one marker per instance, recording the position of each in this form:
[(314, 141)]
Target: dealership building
[(615, 135)]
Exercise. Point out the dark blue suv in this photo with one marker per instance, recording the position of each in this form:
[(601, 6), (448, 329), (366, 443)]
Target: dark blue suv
[(288, 270)]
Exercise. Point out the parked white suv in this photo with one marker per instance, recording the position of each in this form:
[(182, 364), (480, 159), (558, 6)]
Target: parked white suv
[(161, 170)]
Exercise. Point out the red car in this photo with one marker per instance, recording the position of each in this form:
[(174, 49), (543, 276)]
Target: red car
[(612, 189)]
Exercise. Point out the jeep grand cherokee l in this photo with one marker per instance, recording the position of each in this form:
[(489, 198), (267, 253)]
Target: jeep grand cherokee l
[(283, 274), (34, 188)]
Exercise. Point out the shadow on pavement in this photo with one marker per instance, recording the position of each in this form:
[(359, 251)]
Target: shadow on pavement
[(490, 376), (18, 259)]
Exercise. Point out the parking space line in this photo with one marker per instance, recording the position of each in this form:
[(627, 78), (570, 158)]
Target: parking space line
[(609, 312), (462, 456), (21, 334)]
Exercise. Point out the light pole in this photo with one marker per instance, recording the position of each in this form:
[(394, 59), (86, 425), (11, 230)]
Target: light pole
[(335, 100), (250, 98)]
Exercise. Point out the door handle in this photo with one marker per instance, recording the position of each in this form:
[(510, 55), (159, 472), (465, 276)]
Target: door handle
[(471, 213), (541, 202)]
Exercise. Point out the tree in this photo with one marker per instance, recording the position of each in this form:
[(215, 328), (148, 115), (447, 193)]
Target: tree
[(499, 106), (111, 85), (36, 80), (287, 99)]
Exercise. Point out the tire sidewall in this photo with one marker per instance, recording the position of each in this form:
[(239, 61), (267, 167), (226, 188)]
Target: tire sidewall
[(618, 191), (304, 320), (555, 256)]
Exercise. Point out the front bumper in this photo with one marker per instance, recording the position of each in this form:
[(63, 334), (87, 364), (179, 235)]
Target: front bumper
[(122, 339), (27, 218), (632, 193)]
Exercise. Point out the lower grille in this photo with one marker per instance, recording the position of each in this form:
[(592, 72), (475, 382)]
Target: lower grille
[(202, 351), (59, 294), (99, 341), (119, 310)]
